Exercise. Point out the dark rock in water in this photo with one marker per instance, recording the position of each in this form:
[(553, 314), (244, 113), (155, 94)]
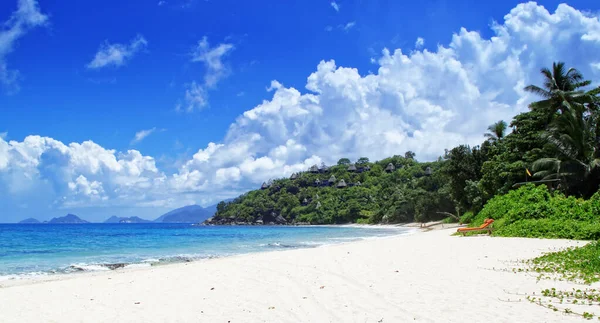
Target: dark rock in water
[(68, 219), (76, 268), (79, 268), (30, 221), (132, 219), (269, 219), (280, 220), (115, 266)]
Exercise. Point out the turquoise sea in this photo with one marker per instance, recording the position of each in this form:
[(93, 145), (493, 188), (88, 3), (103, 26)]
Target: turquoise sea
[(46, 249)]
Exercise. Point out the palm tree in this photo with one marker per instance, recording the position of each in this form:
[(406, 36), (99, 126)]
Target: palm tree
[(573, 134), (561, 90), (572, 118), (557, 79), (496, 131)]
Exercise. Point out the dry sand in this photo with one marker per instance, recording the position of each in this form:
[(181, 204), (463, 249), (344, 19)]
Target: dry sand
[(424, 277)]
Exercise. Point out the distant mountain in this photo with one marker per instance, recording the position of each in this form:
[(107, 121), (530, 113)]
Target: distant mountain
[(69, 218), (30, 221), (113, 219), (188, 214), (132, 219)]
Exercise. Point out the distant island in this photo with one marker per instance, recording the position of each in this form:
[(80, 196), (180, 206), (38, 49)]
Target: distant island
[(188, 214), (132, 219), (68, 219), (30, 221)]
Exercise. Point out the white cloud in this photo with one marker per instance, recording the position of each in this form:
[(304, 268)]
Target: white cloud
[(3, 135), (142, 134), (328, 28), (421, 101), (241, 93), (424, 101), (596, 66), (26, 17), (162, 3), (92, 190), (348, 26), (335, 6), (419, 43), (78, 174), (117, 54), (196, 95), (213, 60), (196, 98)]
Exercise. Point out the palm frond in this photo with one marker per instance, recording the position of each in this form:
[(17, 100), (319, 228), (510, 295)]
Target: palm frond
[(546, 164), (538, 90)]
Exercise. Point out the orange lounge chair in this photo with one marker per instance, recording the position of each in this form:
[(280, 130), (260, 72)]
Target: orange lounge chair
[(486, 226)]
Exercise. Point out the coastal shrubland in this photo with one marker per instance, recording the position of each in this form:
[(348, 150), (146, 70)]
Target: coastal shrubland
[(536, 212)]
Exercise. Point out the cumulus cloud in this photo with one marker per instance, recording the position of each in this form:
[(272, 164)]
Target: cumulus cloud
[(92, 190), (196, 95), (419, 43), (421, 101), (335, 6), (78, 174), (117, 55), (141, 135), (26, 17), (424, 101)]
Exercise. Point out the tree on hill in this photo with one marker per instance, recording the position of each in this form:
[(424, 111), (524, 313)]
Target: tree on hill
[(496, 131), (343, 161), (560, 90), (572, 131), (362, 161), (577, 163)]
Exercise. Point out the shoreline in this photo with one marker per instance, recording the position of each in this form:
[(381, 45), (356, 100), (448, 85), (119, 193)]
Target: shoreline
[(11, 280), (428, 277)]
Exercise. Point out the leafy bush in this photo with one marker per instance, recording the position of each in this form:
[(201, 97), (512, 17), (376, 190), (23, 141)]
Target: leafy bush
[(527, 202), (363, 221), (449, 220), (551, 229), (467, 217), (533, 211)]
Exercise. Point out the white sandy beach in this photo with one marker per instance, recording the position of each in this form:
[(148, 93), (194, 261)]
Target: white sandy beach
[(424, 277)]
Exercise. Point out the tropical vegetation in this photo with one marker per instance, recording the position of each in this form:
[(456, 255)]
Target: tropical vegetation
[(363, 192), (554, 144)]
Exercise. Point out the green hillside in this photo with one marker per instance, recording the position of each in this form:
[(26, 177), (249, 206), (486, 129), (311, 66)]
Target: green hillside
[(362, 192), (556, 144)]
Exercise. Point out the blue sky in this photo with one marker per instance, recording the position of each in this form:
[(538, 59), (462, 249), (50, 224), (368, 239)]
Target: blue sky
[(121, 100)]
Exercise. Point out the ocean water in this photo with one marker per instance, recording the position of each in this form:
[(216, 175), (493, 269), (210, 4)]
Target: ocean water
[(48, 249)]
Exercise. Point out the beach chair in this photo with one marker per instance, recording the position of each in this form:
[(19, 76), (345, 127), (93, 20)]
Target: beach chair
[(486, 226)]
